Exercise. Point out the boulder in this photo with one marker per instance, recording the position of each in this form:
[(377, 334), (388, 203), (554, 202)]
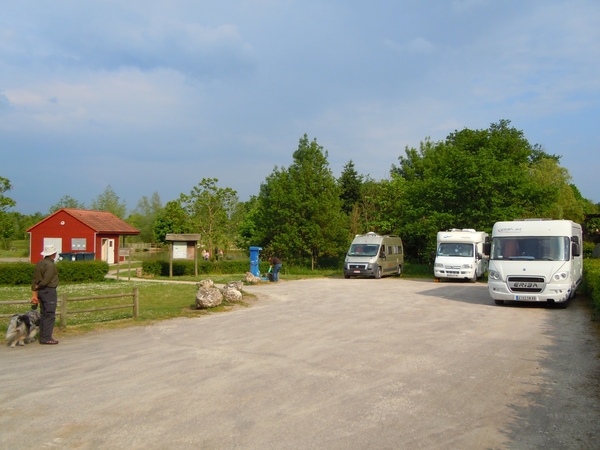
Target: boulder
[(251, 278), (232, 295), (239, 285), (208, 297), (205, 283)]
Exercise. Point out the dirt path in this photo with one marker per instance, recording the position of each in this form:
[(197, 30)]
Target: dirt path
[(336, 364)]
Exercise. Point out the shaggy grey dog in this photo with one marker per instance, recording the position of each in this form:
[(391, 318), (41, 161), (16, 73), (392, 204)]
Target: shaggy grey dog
[(23, 328)]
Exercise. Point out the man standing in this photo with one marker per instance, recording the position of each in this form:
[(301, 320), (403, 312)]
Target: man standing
[(45, 281), (276, 263)]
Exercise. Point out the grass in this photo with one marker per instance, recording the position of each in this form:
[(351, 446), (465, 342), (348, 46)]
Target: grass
[(157, 301), (16, 249)]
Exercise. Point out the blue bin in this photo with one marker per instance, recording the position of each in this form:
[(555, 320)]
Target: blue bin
[(66, 256), (85, 256), (254, 261)]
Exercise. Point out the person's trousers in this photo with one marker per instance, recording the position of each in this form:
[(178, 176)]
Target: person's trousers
[(48, 300), (276, 269)]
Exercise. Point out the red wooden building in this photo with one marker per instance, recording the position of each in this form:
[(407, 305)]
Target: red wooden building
[(80, 231)]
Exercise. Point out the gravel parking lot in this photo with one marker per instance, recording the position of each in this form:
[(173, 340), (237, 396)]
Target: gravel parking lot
[(325, 363)]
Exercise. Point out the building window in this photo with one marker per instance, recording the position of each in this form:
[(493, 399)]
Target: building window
[(78, 244)]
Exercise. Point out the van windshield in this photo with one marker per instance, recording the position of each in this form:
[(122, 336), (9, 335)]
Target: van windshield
[(539, 248), (450, 249), (363, 250)]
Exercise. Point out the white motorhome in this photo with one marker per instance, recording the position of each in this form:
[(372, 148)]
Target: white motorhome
[(373, 255), (459, 254), (535, 260)]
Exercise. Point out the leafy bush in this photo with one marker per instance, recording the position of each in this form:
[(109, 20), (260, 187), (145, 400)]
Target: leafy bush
[(68, 272), (77, 271), (16, 273), (591, 284), (588, 248), (186, 268)]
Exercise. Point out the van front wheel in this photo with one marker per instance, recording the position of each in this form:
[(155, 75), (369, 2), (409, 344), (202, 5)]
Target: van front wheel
[(399, 272), (378, 273)]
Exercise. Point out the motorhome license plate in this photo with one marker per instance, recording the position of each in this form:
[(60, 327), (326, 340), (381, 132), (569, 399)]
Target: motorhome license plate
[(526, 298), (357, 271)]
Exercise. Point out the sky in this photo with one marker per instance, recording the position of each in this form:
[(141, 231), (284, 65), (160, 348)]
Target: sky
[(153, 96)]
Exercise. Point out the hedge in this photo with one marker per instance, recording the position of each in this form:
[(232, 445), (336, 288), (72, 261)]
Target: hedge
[(68, 272), (186, 268), (591, 284)]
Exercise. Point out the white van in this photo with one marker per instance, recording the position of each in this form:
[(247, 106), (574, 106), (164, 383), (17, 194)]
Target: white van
[(459, 254), (373, 255), (535, 260)]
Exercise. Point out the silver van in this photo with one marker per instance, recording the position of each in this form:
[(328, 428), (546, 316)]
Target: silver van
[(373, 255)]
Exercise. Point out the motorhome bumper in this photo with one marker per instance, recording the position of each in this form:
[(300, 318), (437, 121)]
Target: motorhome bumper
[(454, 273), (552, 292), (356, 270)]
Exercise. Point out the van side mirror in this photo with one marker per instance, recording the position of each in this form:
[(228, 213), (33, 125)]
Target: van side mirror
[(575, 249), (487, 248)]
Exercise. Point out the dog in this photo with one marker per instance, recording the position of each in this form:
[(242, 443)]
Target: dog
[(23, 328)]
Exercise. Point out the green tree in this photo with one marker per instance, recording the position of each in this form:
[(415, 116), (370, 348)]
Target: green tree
[(22, 222), (144, 216), (299, 210), (6, 223), (171, 219), (66, 202), (109, 201), (210, 209), (471, 180), (350, 185)]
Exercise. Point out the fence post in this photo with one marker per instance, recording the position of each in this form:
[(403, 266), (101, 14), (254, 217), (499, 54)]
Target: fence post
[(136, 302), (63, 311)]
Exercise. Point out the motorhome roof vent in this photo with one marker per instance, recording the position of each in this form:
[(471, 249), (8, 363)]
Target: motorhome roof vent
[(470, 230), (371, 233)]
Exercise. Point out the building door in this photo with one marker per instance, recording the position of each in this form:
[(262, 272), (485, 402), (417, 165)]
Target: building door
[(108, 250), (57, 242)]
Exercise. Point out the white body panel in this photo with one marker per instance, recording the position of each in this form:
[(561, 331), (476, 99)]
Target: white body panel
[(459, 254), (534, 260)]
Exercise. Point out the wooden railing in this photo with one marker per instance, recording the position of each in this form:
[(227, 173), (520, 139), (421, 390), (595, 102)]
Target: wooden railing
[(63, 311)]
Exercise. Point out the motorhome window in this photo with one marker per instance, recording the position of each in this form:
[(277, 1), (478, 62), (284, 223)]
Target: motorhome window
[(539, 248), (363, 250), (450, 249)]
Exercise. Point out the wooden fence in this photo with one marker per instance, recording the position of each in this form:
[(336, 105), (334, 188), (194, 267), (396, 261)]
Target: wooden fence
[(62, 309)]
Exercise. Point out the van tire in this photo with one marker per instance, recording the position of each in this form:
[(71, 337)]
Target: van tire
[(399, 272), (499, 302), (346, 276), (474, 278), (378, 273)]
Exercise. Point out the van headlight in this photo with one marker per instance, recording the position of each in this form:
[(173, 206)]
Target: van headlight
[(467, 266), (493, 275), (560, 276), (438, 265)]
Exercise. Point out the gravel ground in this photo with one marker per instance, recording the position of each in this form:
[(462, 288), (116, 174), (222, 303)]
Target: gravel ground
[(326, 363)]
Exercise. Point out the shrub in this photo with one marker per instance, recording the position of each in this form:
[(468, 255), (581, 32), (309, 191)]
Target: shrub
[(77, 271), (186, 267), (68, 272), (588, 249), (16, 273), (591, 284)]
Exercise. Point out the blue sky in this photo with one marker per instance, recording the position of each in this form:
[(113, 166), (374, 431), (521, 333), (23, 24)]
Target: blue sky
[(152, 96)]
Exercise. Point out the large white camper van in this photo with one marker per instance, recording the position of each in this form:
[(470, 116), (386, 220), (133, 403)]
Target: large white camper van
[(535, 260), (459, 254), (373, 255)]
